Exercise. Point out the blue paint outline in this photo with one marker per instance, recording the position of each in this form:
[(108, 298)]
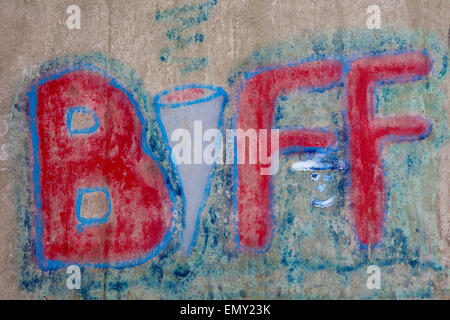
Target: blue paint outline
[(217, 92), (69, 114), (89, 222), (32, 94)]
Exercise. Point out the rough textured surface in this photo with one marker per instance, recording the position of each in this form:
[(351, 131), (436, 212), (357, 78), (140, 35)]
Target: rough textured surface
[(150, 47)]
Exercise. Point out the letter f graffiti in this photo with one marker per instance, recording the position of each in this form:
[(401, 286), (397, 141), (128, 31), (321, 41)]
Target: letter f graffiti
[(369, 133), (256, 106)]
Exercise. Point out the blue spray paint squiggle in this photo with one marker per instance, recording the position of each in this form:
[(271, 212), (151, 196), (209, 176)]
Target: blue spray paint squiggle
[(181, 19)]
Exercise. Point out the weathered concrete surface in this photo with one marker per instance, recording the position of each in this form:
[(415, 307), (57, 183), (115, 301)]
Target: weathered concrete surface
[(239, 36)]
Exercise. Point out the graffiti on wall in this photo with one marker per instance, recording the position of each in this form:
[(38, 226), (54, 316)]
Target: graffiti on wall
[(181, 20), (366, 136), (106, 192)]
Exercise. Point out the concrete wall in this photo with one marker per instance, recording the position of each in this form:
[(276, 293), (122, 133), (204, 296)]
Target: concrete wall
[(296, 251)]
